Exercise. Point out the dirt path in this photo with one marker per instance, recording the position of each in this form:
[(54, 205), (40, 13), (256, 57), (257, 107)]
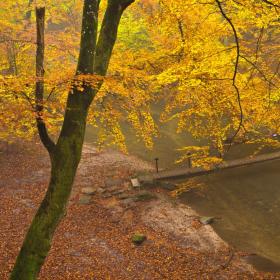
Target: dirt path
[(94, 239)]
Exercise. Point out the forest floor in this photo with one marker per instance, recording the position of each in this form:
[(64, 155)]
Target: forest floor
[(94, 239)]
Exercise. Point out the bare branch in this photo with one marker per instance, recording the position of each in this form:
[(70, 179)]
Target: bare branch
[(259, 70), (235, 68), (258, 47), (269, 87), (271, 3), (180, 28), (7, 40), (28, 99)]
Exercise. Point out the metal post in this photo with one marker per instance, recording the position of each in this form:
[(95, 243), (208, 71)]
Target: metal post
[(156, 160), (189, 160)]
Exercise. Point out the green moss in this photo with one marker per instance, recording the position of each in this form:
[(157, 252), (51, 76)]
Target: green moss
[(138, 238)]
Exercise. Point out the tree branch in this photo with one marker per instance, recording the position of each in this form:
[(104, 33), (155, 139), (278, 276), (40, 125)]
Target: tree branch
[(271, 3), (108, 34), (235, 69), (269, 86), (180, 25), (259, 70), (258, 47)]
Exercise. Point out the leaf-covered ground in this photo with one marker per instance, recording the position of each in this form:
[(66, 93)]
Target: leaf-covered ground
[(94, 239)]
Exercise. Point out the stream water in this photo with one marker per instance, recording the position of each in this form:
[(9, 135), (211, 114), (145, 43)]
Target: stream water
[(245, 200)]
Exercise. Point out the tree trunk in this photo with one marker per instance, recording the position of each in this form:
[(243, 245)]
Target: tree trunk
[(64, 164), (66, 153), (65, 158)]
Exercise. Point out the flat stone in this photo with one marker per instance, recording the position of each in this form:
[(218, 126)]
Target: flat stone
[(101, 190), (128, 202), (123, 196), (118, 192), (89, 190), (75, 253), (112, 189), (113, 182), (135, 183), (144, 196), (108, 195), (84, 199), (206, 220)]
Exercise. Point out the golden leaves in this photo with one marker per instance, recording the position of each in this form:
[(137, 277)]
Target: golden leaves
[(179, 53)]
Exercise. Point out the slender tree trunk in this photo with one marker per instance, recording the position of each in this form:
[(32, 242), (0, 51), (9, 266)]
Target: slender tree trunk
[(28, 13), (66, 153), (11, 54)]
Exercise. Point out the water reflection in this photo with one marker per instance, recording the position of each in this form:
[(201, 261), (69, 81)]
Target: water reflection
[(248, 202)]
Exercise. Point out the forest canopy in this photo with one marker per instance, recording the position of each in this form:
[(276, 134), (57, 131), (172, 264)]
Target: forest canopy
[(214, 65)]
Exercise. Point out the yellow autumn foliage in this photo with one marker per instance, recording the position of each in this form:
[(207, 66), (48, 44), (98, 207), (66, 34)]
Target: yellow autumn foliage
[(181, 53)]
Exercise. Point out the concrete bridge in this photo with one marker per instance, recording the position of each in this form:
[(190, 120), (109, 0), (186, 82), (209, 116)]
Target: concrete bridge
[(184, 172)]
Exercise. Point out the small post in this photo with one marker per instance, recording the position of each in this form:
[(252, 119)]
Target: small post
[(189, 160), (156, 160)]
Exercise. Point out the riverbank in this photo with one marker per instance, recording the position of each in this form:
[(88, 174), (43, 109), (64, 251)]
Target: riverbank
[(94, 239)]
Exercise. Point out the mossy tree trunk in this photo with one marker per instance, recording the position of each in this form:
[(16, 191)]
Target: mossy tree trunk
[(66, 153)]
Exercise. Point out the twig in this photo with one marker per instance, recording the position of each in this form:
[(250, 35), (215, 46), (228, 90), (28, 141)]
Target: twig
[(28, 99), (259, 70), (17, 41), (259, 42), (227, 263), (269, 86), (180, 27), (271, 3)]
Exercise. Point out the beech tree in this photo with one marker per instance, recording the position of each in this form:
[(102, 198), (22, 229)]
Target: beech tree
[(189, 62), (214, 64), (65, 154), (219, 61)]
